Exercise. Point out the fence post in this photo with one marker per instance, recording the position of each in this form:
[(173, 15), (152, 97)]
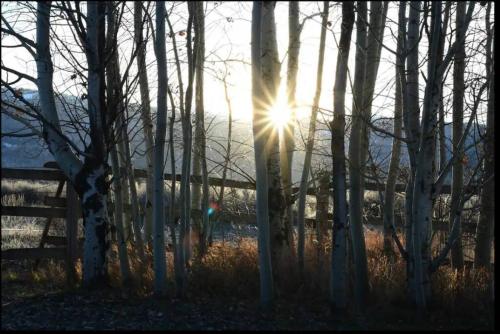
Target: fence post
[(72, 215)]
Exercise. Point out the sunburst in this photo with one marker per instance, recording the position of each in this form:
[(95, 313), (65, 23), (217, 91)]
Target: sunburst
[(279, 114), (272, 116)]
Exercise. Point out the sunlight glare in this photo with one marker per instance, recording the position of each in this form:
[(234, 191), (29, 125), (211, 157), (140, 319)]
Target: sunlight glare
[(280, 114)]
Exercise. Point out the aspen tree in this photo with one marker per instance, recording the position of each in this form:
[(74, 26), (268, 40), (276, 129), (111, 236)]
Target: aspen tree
[(159, 256), (260, 143), (288, 143), (338, 278), (147, 123), (457, 255), (310, 141), (390, 187), (482, 251), (270, 69)]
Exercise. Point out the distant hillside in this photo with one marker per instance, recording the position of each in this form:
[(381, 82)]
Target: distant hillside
[(32, 151)]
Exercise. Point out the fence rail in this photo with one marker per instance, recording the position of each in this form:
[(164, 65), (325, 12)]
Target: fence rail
[(69, 208), (53, 174)]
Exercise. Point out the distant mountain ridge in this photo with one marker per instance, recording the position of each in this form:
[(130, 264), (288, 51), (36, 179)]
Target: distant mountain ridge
[(32, 151)]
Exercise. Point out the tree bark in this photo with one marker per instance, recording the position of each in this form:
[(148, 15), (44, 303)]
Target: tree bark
[(184, 103), (441, 122), (122, 158), (90, 177), (185, 191), (115, 101), (338, 278), (412, 128), (270, 69), (288, 142), (375, 36), (227, 159), (159, 256), (145, 116), (322, 203), (484, 231), (457, 256), (392, 176), (424, 181), (310, 142), (425, 189), (118, 207), (260, 142), (134, 200), (199, 154), (356, 192), (59, 148), (172, 219), (91, 182)]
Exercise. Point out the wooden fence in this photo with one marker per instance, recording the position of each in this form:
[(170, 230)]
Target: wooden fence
[(68, 207)]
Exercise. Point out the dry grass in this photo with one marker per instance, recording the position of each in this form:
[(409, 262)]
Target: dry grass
[(227, 271), (31, 192), (230, 270)]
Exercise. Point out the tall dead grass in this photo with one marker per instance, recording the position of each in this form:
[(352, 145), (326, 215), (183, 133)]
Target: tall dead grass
[(231, 271)]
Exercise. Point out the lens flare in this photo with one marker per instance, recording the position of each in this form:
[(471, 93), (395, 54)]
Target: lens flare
[(279, 114)]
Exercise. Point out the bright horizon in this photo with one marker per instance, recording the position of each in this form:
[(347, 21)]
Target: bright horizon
[(228, 37)]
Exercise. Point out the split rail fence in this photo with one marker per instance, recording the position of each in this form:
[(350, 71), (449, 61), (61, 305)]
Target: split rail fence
[(70, 247)]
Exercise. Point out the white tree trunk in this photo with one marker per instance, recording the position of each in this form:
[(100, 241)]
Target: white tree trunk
[(425, 189), (172, 219), (89, 178), (185, 193), (115, 102), (118, 215), (95, 220), (122, 157), (59, 148), (310, 142), (260, 141), (322, 203), (338, 278), (390, 187), (412, 128), (200, 132), (159, 256), (288, 143), (220, 201), (422, 190), (270, 69), (355, 145), (375, 36), (134, 200), (484, 232), (147, 123), (181, 248), (92, 179), (457, 256), (441, 120)]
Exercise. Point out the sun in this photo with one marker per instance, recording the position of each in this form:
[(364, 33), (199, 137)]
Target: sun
[(279, 117), (279, 114)]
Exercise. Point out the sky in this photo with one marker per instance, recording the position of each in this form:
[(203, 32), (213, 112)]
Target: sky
[(228, 36)]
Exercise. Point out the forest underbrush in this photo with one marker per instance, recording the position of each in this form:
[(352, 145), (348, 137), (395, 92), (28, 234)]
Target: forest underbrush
[(227, 279)]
